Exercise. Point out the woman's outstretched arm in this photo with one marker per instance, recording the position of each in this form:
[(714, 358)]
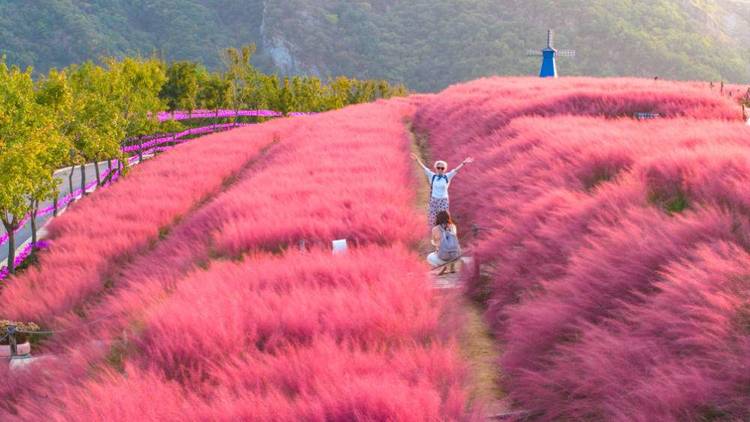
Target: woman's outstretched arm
[(416, 158), (460, 166), (467, 160)]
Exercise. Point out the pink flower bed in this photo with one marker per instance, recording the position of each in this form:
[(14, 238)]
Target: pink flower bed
[(153, 144), (225, 317), (90, 239), (612, 253)]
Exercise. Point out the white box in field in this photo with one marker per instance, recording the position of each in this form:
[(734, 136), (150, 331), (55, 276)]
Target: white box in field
[(339, 246)]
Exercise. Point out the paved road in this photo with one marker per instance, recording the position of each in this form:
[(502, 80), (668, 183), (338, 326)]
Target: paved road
[(62, 175)]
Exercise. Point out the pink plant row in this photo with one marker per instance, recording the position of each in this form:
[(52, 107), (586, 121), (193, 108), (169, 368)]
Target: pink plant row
[(200, 297), (613, 254), (152, 145), (208, 114), (149, 147), (166, 189)]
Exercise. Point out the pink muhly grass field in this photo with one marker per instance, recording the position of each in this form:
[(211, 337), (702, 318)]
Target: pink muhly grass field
[(612, 253), (224, 317), (120, 222), (300, 336), (289, 299)]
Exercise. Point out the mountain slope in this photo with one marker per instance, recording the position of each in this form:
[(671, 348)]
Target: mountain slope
[(432, 43), (60, 32), (427, 44)]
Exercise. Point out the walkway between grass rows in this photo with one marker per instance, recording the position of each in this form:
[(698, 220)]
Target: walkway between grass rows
[(478, 347)]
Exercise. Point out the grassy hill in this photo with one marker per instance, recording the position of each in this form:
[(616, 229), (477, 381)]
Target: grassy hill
[(61, 32), (427, 44)]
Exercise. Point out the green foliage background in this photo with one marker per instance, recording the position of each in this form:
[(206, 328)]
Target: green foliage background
[(427, 44)]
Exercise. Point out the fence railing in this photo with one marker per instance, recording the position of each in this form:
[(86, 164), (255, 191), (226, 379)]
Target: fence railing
[(178, 136), (223, 113)]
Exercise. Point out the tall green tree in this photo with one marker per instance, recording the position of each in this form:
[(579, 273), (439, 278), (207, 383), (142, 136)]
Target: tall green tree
[(339, 91), (266, 91), (240, 73), (136, 84), (180, 91), (54, 94), (285, 97), (215, 93), (26, 131), (96, 126)]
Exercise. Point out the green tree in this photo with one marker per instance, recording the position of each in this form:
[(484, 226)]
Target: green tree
[(96, 124), (285, 97), (54, 94), (307, 93), (267, 91), (338, 93), (214, 93), (26, 131), (180, 92), (239, 73), (135, 87)]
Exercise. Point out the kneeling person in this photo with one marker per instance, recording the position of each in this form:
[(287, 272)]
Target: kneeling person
[(445, 241)]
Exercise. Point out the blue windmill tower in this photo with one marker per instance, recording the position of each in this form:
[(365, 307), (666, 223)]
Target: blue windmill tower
[(549, 66)]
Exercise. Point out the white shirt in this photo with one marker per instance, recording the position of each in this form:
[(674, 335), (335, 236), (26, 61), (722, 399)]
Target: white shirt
[(441, 183)]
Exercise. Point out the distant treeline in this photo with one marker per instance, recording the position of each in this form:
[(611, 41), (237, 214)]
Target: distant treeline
[(241, 86), (82, 113)]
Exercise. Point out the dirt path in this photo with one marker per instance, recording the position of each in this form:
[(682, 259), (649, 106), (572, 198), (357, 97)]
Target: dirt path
[(478, 347)]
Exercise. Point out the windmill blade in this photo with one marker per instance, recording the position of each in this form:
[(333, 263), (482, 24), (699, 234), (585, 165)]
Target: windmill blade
[(534, 53), (550, 38), (566, 53)]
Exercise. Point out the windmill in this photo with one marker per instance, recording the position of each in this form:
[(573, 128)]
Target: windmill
[(548, 54)]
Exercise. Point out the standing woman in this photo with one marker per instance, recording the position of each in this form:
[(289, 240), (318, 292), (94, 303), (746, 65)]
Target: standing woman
[(439, 181)]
